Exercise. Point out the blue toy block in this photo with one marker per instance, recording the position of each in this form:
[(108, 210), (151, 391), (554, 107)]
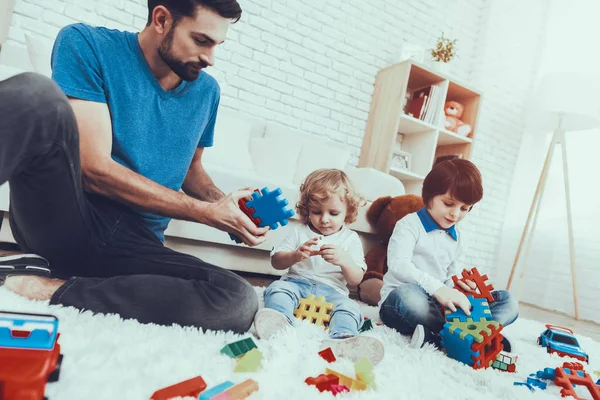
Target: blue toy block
[(537, 383), (207, 394), (41, 330), (480, 310), (524, 384), (546, 373), (269, 208), (456, 347)]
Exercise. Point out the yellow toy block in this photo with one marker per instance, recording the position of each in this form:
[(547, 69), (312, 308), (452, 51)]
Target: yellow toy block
[(352, 384), (315, 311), (249, 362), (364, 372)]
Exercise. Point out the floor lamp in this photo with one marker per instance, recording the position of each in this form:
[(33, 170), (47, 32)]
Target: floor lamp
[(563, 104)]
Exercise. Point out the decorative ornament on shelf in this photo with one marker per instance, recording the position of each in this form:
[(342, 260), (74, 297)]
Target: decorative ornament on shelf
[(443, 52)]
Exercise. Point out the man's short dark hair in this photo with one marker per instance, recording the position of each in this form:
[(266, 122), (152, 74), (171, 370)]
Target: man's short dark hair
[(187, 8)]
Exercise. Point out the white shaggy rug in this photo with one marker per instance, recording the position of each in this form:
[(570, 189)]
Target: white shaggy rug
[(107, 358)]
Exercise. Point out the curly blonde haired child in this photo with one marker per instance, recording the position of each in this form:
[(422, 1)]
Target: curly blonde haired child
[(322, 257)]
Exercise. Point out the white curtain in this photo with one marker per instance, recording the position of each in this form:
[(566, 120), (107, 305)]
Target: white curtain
[(571, 45)]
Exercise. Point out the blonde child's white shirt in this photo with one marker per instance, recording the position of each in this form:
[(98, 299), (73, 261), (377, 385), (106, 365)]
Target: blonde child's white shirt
[(315, 268), (428, 259)]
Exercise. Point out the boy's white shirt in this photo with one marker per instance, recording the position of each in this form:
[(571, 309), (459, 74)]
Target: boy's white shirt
[(428, 259), (315, 268)]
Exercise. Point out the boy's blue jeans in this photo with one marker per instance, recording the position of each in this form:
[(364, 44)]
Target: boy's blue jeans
[(284, 296), (409, 305)]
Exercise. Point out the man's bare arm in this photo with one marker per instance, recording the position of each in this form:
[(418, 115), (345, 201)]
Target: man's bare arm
[(102, 175), (198, 184)]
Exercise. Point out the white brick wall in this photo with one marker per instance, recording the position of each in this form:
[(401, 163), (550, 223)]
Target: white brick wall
[(311, 65)]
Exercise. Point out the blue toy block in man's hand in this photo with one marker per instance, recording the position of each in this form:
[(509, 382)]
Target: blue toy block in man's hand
[(265, 209), (269, 208)]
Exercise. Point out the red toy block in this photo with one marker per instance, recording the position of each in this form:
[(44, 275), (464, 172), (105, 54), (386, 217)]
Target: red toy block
[(190, 388), (327, 355), (483, 288), (336, 389), (323, 382), (489, 348), (567, 380)]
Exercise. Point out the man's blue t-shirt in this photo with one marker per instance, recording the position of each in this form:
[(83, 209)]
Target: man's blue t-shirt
[(155, 133)]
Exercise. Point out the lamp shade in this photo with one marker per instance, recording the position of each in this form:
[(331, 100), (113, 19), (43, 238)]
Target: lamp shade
[(571, 99)]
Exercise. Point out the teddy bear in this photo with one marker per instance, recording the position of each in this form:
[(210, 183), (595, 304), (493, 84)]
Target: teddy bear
[(383, 215), (453, 123)]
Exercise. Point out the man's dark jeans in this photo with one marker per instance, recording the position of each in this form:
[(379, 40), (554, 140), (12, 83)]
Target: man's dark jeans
[(112, 263)]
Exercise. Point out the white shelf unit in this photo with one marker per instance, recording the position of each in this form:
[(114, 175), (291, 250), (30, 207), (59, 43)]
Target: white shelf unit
[(424, 141)]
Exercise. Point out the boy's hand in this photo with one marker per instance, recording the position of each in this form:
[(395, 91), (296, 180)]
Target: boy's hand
[(451, 298), (468, 286), (305, 250), (335, 255)]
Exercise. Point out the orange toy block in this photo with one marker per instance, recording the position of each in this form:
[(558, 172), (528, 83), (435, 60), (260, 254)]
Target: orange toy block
[(336, 389), (239, 391), (316, 311), (190, 388), (484, 290), (353, 384), (489, 348)]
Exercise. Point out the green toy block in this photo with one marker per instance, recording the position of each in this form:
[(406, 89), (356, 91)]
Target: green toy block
[(249, 362), (239, 348), (364, 372), (473, 328), (367, 326), (500, 365)]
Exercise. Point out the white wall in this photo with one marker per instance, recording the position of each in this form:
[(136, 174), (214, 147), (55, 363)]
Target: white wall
[(547, 280), (311, 64)]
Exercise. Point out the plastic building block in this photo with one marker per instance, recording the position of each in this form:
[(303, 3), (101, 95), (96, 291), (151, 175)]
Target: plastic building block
[(458, 347), (315, 311), (28, 331), (239, 348), (490, 347), (546, 373), (484, 290), (480, 310), (506, 363), (566, 378), (528, 385), (249, 362), (336, 389), (353, 384), (269, 208), (239, 391), (537, 383), (366, 326), (363, 369), (323, 382), (190, 388), (29, 355), (213, 391), (597, 373), (248, 212), (327, 355), (475, 343)]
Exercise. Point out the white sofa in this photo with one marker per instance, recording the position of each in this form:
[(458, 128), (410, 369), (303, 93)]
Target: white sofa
[(249, 152)]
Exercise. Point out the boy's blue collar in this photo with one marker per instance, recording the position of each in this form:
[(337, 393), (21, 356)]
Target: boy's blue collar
[(430, 225)]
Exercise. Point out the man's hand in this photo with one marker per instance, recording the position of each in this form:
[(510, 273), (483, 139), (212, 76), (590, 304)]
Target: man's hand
[(451, 298), (468, 286), (305, 250), (226, 216), (335, 255)]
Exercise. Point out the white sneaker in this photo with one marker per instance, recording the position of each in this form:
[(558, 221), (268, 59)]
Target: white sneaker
[(418, 337), (356, 348), (268, 322)]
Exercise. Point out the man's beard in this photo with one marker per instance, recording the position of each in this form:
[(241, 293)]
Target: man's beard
[(185, 71)]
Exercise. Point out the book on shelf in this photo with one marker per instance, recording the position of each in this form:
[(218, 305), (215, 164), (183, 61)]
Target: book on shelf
[(425, 103)]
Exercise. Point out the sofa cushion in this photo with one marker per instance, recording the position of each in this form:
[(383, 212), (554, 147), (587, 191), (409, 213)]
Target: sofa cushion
[(232, 141), (372, 183), (274, 158), (40, 51), (317, 153)]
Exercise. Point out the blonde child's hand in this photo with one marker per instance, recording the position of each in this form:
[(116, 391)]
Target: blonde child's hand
[(468, 286), (335, 255), (451, 298), (305, 250)]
